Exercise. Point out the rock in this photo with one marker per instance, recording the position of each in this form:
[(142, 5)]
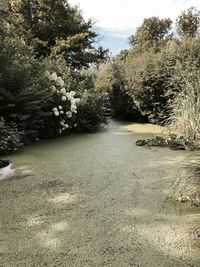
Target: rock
[(177, 144), (4, 163), (173, 142), (179, 199), (140, 142), (159, 141), (183, 199), (196, 203)]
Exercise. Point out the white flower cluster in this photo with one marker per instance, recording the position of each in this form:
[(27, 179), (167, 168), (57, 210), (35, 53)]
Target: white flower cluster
[(66, 110)]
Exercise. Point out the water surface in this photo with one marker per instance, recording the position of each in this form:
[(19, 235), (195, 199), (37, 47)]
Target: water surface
[(96, 200)]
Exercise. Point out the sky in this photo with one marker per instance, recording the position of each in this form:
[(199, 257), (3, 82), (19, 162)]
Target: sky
[(118, 19)]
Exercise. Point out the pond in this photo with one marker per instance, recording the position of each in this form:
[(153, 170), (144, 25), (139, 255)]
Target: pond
[(96, 200)]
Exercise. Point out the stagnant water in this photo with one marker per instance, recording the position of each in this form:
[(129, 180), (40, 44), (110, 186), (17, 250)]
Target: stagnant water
[(96, 200)]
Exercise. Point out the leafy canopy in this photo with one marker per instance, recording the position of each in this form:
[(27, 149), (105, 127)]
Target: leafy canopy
[(188, 22), (151, 33), (55, 27)]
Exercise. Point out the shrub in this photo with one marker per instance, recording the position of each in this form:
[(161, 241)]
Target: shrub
[(148, 79), (187, 51), (64, 104), (186, 104), (122, 103), (89, 102), (10, 138), (105, 77), (24, 88), (90, 114)]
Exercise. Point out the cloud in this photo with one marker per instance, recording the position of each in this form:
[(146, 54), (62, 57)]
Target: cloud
[(114, 32), (114, 39), (130, 13), (116, 20)]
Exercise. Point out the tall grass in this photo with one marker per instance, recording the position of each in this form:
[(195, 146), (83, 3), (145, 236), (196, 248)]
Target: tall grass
[(186, 105)]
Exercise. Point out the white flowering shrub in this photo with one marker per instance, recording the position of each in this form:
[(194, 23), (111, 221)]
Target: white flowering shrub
[(65, 103)]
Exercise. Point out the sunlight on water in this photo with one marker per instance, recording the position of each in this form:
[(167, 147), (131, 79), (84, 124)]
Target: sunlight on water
[(64, 198)]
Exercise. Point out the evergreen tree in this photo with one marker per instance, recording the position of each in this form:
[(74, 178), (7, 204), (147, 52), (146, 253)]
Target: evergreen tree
[(24, 89)]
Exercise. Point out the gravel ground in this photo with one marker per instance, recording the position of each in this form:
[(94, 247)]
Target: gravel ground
[(94, 200)]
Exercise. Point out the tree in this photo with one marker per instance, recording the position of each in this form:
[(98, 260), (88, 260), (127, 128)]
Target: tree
[(121, 103), (105, 77), (56, 27), (188, 22), (151, 34), (148, 78), (24, 89)]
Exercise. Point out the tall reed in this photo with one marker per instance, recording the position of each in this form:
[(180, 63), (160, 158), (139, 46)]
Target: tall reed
[(186, 105)]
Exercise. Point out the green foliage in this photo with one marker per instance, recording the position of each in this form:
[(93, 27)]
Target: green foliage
[(105, 77), (55, 27), (37, 86), (4, 13), (121, 103), (90, 113), (187, 51), (153, 33), (186, 104), (86, 79), (10, 138), (188, 22), (46, 47), (148, 78), (24, 89)]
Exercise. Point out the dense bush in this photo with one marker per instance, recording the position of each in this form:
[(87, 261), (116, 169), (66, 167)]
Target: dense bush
[(187, 51), (10, 138), (105, 77), (186, 104), (90, 113), (24, 89), (146, 81), (121, 102), (39, 96), (64, 104), (61, 106), (42, 93), (148, 78), (109, 79)]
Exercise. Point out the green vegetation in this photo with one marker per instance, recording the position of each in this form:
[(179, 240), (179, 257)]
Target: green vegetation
[(53, 79), (55, 27), (157, 79), (186, 105), (10, 138), (44, 45)]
